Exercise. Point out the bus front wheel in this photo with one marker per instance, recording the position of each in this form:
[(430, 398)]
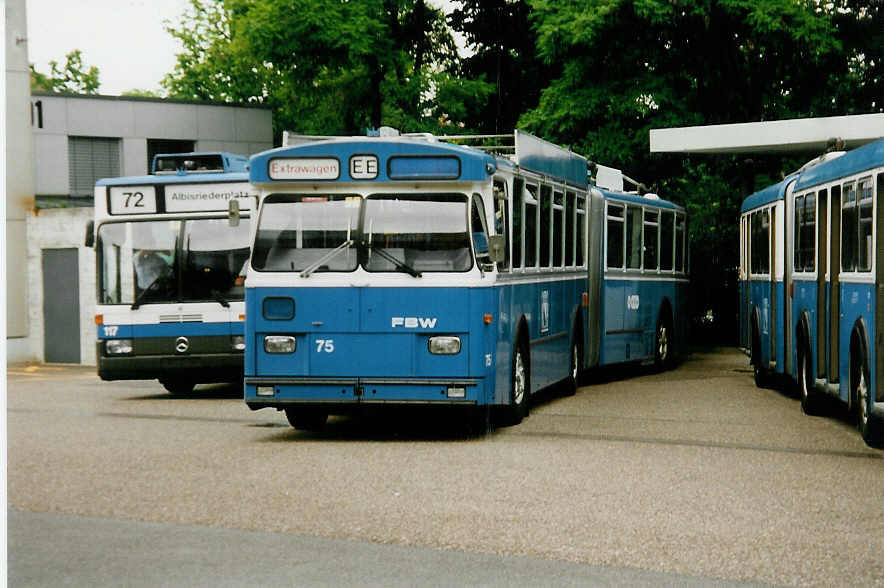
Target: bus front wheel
[(178, 387), (519, 386), (663, 343), (306, 418)]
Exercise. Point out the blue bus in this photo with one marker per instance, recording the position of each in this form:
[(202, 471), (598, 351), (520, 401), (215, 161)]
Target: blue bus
[(169, 271), (811, 284), (414, 270)]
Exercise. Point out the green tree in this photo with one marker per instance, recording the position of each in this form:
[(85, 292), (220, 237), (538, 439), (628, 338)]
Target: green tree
[(502, 50), (74, 76), (627, 66), (324, 67)]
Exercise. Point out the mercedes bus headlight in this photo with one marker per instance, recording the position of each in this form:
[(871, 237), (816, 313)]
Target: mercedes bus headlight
[(118, 346), (444, 345), (238, 342), (279, 344)]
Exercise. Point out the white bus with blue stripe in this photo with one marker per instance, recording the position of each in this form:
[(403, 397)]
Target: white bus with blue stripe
[(169, 270), (812, 283), (412, 270)]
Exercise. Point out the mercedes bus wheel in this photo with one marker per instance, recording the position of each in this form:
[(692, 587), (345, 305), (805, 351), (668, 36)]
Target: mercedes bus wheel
[(306, 418)]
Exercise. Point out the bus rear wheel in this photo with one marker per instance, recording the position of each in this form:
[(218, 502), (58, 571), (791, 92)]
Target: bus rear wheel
[(306, 418), (663, 344), (811, 401), (576, 363), (869, 426)]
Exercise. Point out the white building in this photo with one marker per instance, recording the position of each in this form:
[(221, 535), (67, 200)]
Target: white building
[(77, 140)]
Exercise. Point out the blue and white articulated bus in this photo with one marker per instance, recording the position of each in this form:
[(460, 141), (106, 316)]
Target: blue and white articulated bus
[(412, 270), (169, 271), (812, 283)]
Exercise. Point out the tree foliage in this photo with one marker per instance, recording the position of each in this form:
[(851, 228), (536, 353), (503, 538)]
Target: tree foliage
[(501, 50), (325, 67), (74, 76)]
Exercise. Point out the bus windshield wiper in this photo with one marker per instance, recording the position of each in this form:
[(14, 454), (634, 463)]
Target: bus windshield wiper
[(325, 258), (216, 295), (400, 265), (163, 275)]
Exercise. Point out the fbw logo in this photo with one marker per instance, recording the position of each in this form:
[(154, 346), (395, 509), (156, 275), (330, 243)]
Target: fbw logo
[(413, 322)]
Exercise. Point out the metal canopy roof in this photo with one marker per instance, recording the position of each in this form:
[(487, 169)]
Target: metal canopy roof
[(808, 134)]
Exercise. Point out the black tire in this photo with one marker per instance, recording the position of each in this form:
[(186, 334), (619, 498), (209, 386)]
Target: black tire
[(576, 365), (870, 427), (812, 402), (758, 371), (307, 418), (663, 343), (520, 386), (178, 387)]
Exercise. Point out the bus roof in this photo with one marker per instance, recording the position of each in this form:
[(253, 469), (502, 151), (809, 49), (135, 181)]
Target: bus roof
[(768, 194), (198, 178), (188, 168), (853, 162), (394, 159), (638, 199), (410, 158)]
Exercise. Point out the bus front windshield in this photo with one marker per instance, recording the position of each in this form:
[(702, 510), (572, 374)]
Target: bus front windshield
[(156, 261), (415, 233)]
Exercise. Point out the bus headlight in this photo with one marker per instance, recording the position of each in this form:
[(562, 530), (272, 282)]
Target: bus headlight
[(238, 342), (279, 344), (118, 346), (444, 345)]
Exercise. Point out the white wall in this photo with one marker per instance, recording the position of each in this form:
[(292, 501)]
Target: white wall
[(60, 228)]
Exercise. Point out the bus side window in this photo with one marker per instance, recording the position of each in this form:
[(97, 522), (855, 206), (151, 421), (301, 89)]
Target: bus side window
[(518, 221), (543, 224), (570, 221), (652, 221), (479, 228), (615, 236), (531, 226), (557, 237), (848, 228), (680, 244), (501, 222), (865, 242), (581, 231), (667, 239), (633, 237)]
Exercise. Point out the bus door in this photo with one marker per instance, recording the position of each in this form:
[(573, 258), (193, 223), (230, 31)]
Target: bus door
[(834, 282), (879, 287), (822, 268), (788, 258), (774, 303), (744, 285)]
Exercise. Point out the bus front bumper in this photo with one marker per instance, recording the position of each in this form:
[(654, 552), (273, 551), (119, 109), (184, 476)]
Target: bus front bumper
[(203, 368), (280, 392)]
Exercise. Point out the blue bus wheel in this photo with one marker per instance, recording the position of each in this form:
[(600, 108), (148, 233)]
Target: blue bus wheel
[(519, 387)]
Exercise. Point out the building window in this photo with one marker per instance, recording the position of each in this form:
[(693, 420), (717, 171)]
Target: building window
[(89, 160), (157, 146)]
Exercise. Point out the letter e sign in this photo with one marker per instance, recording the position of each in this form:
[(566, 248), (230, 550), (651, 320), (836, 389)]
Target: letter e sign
[(363, 167)]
